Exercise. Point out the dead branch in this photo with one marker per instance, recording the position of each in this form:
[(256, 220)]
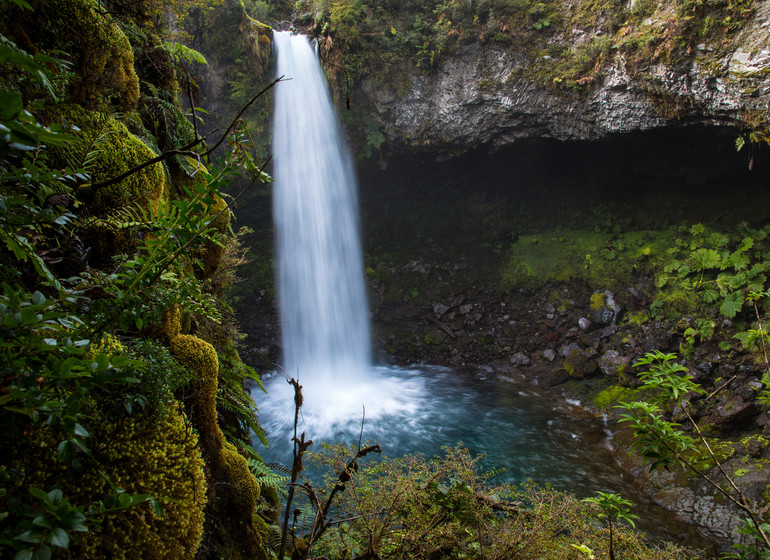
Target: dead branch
[(186, 149)]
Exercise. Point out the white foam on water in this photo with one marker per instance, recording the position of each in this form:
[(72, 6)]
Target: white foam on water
[(336, 410)]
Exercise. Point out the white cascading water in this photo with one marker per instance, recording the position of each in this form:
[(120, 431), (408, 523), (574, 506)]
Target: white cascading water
[(321, 286), (323, 305)]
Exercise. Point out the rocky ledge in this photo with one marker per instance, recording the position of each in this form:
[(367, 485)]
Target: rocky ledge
[(485, 94)]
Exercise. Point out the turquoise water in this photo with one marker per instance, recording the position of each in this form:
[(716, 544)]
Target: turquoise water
[(524, 431)]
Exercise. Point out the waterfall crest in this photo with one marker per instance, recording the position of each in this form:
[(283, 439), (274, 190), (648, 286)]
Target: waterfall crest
[(325, 326)]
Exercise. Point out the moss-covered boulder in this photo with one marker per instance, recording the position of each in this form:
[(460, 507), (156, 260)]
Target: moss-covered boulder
[(233, 490), (103, 70), (137, 455), (107, 149)]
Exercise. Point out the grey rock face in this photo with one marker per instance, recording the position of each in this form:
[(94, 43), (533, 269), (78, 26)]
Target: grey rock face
[(480, 96)]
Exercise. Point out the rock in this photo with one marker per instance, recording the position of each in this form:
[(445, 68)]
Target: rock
[(584, 323), (559, 376), (465, 309), (439, 309), (603, 309), (608, 331), (732, 413), (520, 359), (549, 354), (613, 364)]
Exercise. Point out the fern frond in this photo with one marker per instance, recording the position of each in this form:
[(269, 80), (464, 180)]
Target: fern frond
[(266, 476), (84, 155)]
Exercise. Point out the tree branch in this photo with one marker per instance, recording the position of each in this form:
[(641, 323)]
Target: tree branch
[(186, 150)]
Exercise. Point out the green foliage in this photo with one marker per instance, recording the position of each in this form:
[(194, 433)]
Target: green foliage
[(98, 456), (446, 507), (754, 548), (657, 440), (183, 54), (613, 507), (159, 378), (721, 270), (236, 403)]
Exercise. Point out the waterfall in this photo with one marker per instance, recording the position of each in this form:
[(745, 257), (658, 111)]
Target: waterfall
[(324, 316), (323, 305)]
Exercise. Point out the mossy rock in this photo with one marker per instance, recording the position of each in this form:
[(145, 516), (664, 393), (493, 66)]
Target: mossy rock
[(103, 73), (244, 488), (610, 396), (139, 456), (199, 357), (108, 149)]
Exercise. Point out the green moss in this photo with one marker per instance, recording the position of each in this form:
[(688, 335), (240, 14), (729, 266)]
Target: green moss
[(602, 260), (598, 301), (244, 488), (434, 337), (754, 442), (108, 150), (103, 57), (611, 395), (637, 318), (740, 473), (703, 461), (139, 457)]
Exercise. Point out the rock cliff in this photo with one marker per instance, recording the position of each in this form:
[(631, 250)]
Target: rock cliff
[(650, 72)]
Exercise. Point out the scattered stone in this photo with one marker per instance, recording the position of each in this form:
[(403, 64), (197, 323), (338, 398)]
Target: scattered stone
[(559, 376), (603, 310), (584, 323), (439, 309), (612, 364), (520, 359), (608, 331), (549, 354), (465, 309)]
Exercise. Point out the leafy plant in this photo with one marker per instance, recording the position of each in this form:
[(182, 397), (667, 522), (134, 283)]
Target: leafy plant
[(613, 508), (663, 443)]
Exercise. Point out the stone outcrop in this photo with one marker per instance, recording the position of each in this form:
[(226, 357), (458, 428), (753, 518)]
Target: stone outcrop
[(487, 95)]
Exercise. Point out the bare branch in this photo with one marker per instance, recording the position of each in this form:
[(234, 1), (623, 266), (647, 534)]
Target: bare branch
[(187, 149)]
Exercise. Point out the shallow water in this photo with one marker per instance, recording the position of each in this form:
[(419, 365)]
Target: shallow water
[(526, 431)]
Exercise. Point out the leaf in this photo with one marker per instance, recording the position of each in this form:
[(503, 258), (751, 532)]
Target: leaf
[(33, 537), (39, 494), (731, 305), (703, 259), (739, 261), (710, 295), (55, 496), (157, 508), (42, 553), (10, 105), (64, 450), (60, 538), (183, 53)]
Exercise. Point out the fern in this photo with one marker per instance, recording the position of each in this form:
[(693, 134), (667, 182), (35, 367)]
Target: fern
[(181, 53), (266, 475), (83, 155)]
